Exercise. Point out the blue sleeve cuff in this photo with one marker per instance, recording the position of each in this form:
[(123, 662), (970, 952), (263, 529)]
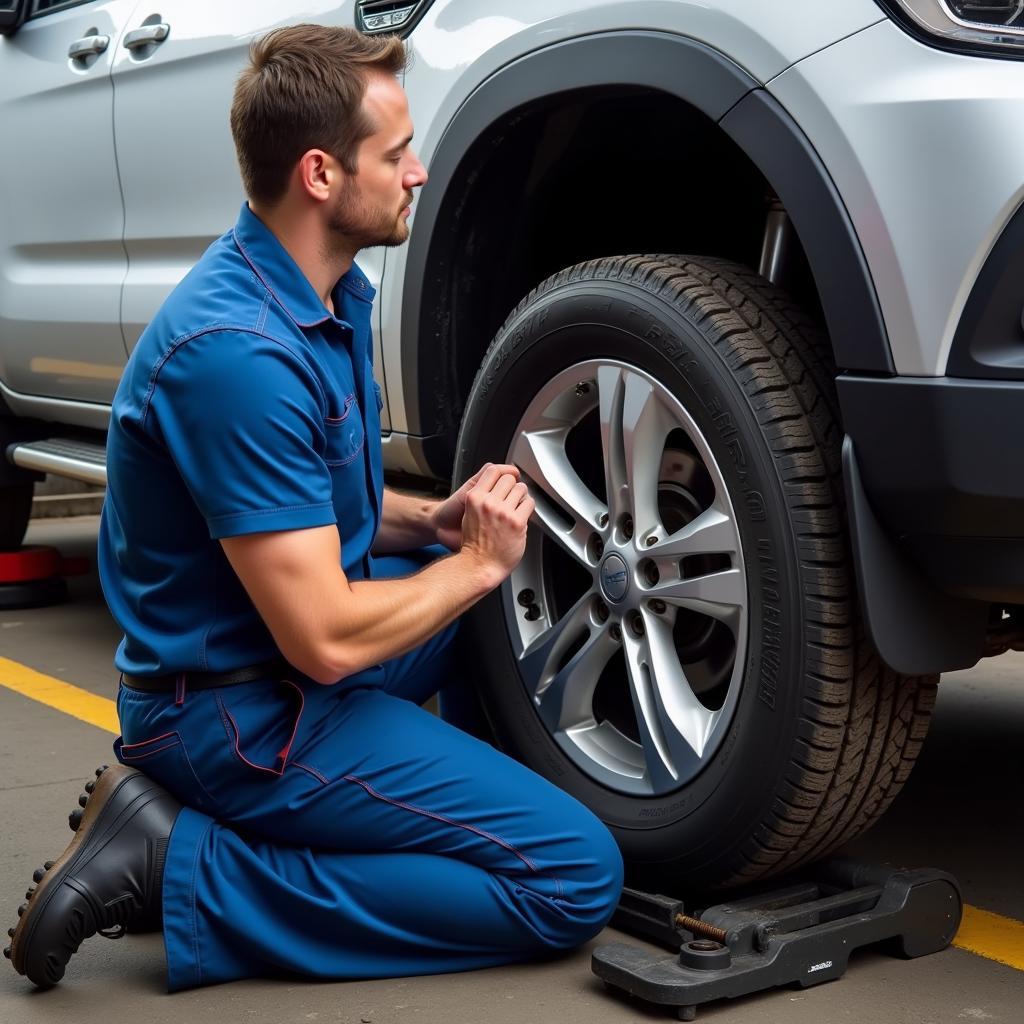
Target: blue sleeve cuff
[(265, 520)]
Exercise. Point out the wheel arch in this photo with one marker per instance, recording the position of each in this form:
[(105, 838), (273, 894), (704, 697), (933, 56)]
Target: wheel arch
[(683, 87)]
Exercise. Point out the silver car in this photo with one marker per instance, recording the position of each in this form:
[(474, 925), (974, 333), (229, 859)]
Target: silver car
[(735, 283)]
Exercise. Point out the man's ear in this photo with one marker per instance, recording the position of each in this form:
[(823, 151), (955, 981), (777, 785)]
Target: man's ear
[(318, 172)]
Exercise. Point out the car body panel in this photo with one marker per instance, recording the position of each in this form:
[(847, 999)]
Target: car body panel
[(853, 81), (61, 257), (919, 144), (178, 169), (457, 46)]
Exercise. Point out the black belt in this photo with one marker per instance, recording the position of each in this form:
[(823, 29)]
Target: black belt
[(204, 680)]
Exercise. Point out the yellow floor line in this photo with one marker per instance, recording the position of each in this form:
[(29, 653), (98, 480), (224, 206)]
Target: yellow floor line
[(989, 935), (55, 693), (992, 936)]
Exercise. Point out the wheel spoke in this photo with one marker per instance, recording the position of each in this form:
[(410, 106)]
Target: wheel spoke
[(611, 391), (678, 703), (573, 539), (567, 701), (645, 426), (718, 594), (539, 658), (711, 533), (673, 724), (541, 456), (661, 770)]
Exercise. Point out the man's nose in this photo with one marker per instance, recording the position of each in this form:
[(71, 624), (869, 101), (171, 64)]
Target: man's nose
[(417, 174)]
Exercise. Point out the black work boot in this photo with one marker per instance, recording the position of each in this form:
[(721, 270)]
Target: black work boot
[(108, 878), (151, 921)]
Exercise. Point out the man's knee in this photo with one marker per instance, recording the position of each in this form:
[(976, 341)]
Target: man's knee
[(593, 895), (608, 875)]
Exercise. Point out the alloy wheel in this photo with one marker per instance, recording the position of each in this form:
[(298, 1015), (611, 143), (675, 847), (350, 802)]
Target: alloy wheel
[(628, 611)]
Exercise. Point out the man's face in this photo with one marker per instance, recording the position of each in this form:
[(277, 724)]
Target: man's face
[(374, 205)]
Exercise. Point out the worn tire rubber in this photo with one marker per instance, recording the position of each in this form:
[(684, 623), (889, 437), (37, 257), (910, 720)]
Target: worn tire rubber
[(794, 781), (15, 509)]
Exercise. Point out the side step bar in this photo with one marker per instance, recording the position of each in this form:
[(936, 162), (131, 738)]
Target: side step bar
[(79, 460), (83, 460)]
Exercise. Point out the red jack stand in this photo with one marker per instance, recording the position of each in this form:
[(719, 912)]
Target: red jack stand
[(33, 576)]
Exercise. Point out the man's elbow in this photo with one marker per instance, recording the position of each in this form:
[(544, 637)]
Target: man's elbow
[(324, 664)]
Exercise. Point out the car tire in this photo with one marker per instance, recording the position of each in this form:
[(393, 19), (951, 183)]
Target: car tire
[(742, 723), (15, 510)]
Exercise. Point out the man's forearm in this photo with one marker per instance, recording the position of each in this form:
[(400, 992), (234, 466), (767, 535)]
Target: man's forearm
[(329, 627), (392, 616), (406, 523)]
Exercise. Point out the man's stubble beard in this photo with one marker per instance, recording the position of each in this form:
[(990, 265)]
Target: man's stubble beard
[(355, 225)]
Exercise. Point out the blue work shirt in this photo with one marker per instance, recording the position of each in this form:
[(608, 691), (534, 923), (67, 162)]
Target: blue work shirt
[(245, 407)]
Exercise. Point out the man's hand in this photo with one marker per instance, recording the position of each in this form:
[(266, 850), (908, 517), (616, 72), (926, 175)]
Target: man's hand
[(498, 507), (448, 515)]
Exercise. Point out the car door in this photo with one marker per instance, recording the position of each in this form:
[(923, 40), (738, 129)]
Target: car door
[(173, 84), (62, 261)]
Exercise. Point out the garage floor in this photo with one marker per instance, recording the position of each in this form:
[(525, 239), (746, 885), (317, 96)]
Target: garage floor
[(962, 811)]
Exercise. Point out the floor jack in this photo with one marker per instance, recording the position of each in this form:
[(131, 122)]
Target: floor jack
[(801, 935)]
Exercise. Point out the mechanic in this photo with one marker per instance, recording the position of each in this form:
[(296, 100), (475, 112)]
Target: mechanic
[(296, 810)]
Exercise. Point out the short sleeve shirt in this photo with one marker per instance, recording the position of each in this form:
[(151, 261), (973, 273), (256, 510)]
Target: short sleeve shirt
[(245, 407)]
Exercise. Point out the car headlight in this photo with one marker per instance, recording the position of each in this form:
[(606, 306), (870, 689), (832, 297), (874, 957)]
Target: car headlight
[(994, 26)]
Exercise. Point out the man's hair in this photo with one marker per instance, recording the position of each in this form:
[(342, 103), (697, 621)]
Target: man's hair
[(303, 89)]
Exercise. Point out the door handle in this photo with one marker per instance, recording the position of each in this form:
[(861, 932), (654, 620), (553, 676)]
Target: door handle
[(148, 35), (88, 46)]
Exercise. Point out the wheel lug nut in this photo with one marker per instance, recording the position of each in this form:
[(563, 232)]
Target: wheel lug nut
[(650, 572), (615, 632), (595, 547), (601, 609), (658, 607), (626, 526), (526, 597), (636, 623), (602, 520)]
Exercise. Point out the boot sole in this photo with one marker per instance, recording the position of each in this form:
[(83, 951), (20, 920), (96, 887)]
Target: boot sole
[(107, 786)]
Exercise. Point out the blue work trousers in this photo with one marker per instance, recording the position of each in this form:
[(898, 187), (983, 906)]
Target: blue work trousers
[(345, 832)]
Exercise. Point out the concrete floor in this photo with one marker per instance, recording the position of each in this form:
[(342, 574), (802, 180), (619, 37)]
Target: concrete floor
[(961, 811)]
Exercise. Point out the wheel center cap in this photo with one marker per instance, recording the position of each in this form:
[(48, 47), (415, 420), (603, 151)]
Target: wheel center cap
[(614, 578)]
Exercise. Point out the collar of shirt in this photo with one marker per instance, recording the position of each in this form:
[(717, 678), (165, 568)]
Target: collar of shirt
[(282, 277)]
